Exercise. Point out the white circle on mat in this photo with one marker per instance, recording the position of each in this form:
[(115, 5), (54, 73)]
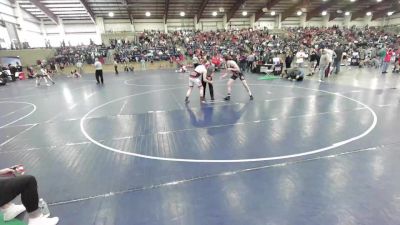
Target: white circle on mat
[(21, 118), (311, 152)]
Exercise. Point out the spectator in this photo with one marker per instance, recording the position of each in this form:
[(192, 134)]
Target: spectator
[(116, 67), (26, 186), (382, 54), (338, 59), (79, 67), (386, 60), (143, 62)]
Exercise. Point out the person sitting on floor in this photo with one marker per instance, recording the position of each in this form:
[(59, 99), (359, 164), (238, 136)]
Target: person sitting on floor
[(31, 72), (75, 74), (181, 68), (294, 74), (25, 185)]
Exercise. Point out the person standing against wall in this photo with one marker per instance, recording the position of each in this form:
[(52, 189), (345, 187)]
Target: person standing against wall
[(99, 71), (116, 67)]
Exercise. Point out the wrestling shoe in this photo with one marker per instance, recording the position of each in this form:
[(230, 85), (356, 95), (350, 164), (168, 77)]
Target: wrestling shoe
[(13, 211), (251, 97), (187, 100), (227, 98)]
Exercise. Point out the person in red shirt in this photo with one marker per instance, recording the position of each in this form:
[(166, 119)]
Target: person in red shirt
[(386, 61), (216, 61)]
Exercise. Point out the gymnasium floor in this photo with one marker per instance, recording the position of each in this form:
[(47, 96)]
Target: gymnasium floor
[(131, 152)]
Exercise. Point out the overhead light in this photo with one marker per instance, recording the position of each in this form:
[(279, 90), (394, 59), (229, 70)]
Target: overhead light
[(352, 0), (390, 13), (244, 13), (378, 0), (339, 11), (221, 9), (214, 13), (148, 14), (299, 13), (265, 9), (369, 13), (273, 13), (182, 13), (111, 14), (324, 13), (347, 13)]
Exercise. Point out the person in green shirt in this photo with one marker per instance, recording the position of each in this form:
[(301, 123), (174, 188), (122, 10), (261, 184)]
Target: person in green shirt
[(382, 54)]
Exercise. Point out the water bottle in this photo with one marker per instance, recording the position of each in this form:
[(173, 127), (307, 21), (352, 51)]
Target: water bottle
[(44, 208)]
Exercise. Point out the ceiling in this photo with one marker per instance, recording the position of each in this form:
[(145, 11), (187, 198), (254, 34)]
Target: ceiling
[(52, 10)]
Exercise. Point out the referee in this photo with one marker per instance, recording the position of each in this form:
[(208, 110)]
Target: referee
[(99, 71)]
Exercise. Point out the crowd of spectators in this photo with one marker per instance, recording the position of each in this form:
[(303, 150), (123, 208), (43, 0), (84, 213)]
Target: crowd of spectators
[(251, 48)]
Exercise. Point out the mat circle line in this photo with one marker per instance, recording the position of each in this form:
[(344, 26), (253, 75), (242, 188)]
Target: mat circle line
[(311, 152), (21, 118)]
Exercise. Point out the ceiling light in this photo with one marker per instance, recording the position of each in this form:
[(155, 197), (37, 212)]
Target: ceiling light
[(148, 14), (369, 13), (347, 13), (299, 13), (244, 13), (390, 13), (111, 14), (324, 13), (182, 13), (352, 0), (273, 13), (221, 9), (378, 0), (214, 13)]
